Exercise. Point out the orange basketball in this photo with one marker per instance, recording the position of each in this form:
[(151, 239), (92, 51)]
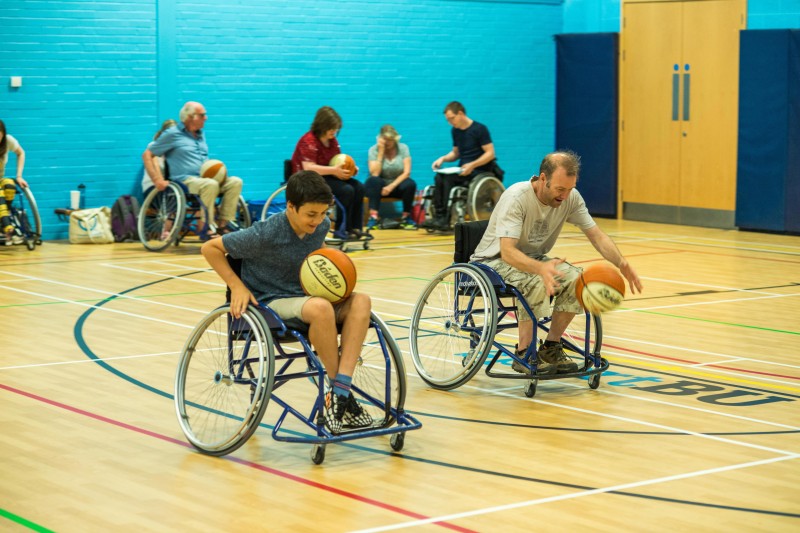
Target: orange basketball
[(600, 288), (214, 169), (328, 273), (349, 163)]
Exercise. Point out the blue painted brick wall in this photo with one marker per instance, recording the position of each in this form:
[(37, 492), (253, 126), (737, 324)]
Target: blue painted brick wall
[(87, 72), (91, 89)]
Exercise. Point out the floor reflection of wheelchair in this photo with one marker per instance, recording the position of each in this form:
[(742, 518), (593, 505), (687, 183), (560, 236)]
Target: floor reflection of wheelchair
[(160, 210), (475, 201), (463, 309), (230, 369), (24, 217)]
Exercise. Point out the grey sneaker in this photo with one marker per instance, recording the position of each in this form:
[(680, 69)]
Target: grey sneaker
[(555, 356), (543, 369)]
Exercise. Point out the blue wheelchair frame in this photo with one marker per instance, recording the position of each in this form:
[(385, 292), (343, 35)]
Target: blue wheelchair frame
[(278, 368), (476, 296)]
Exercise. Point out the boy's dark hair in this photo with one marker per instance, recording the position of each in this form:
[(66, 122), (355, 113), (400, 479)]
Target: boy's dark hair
[(307, 187), (325, 120)]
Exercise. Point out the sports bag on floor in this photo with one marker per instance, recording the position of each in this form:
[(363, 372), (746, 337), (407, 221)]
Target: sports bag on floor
[(91, 226)]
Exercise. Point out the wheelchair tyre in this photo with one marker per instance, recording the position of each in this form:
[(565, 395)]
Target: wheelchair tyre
[(453, 326), (484, 193), (397, 441), (379, 379), (33, 212), (242, 214), (224, 380), (318, 454), (279, 195), (22, 224), (162, 214)]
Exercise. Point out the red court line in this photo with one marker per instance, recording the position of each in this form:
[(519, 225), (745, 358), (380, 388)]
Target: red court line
[(251, 464)]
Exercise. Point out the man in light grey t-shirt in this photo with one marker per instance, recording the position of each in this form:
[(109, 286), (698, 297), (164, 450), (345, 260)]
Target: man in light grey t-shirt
[(523, 228)]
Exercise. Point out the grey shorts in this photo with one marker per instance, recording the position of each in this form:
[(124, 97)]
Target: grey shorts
[(532, 288), (287, 308)]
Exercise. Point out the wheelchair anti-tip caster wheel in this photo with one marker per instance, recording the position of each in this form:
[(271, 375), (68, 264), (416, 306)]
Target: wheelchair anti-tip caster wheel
[(594, 381), (530, 388), (397, 441), (318, 454)]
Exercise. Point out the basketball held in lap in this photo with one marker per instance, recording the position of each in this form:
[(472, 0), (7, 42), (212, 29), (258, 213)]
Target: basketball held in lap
[(214, 169), (329, 274)]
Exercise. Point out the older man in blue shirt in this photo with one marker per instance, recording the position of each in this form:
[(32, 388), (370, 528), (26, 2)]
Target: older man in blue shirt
[(185, 149)]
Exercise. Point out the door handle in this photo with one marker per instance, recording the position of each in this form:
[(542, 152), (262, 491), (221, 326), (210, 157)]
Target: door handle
[(686, 91), (676, 90)]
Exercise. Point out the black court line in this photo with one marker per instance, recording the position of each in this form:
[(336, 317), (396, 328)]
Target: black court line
[(87, 351)]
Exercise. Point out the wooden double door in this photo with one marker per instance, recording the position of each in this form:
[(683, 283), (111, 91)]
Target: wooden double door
[(679, 107)]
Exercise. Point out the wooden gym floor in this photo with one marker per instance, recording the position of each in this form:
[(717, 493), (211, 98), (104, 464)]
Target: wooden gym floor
[(695, 427)]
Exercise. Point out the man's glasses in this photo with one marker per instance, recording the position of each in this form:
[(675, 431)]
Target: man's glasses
[(201, 115)]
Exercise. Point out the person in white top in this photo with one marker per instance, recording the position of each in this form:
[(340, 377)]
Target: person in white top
[(8, 186), (523, 228)]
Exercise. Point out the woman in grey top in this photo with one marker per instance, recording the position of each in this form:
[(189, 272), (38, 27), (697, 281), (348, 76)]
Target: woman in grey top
[(390, 176)]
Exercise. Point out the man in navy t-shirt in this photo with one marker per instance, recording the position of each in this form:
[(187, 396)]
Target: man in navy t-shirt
[(473, 147)]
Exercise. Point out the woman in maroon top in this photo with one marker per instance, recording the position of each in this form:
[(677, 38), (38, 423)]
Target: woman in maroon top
[(314, 151)]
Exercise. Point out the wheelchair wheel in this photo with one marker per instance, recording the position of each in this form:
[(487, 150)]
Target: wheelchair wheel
[(583, 339), (453, 326), (22, 225), (278, 198), (33, 215), (224, 380), (379, 379), (484, 193), (161, 217), (242, 214)]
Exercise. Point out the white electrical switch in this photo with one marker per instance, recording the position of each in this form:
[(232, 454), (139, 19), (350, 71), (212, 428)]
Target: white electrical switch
[(16, 81)]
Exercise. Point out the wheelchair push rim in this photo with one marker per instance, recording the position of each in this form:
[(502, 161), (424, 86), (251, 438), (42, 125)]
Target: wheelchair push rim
[(224, 380), (161, 217), (453, 326)]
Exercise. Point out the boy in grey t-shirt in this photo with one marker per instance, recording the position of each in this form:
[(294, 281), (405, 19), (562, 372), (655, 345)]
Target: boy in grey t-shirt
[(272, 252)]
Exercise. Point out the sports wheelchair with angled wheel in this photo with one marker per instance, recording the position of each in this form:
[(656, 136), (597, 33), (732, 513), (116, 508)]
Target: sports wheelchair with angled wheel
[(161, 209), (462, 313), (23, 217), (230, 369), (475, 200)]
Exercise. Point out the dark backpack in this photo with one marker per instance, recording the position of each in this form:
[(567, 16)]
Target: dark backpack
[(124, 216)]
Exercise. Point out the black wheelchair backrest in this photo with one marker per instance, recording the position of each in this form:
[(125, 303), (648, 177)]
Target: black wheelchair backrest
[(468, 235), (287, 169)]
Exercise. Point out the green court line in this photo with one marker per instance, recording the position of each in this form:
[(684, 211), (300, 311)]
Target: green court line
[(734, 324), (89, 300), (21, 521)]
